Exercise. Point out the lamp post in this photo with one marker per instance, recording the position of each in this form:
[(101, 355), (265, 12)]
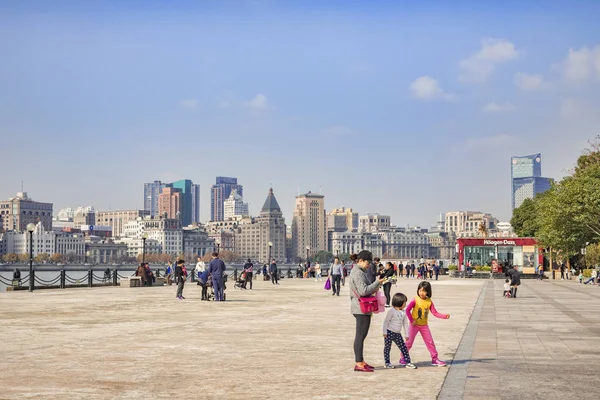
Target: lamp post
[(144, 237), (270, 246), (218, 241), (30, 229)]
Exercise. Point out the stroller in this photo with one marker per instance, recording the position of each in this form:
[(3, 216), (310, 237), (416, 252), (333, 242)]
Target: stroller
[(240, 283), (211, 294)]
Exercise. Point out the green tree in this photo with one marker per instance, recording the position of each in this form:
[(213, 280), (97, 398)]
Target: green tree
[(323, 257), (11, 258), (23, 257), (525, 220)]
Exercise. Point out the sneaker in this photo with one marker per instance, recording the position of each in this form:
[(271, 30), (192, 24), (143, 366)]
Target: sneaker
[(387, 306), (402, 361), (438, 363), (389, 366), (411, 366)]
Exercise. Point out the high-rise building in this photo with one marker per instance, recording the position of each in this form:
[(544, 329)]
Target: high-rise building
[(195, 203), (219, 192), (170, 203), (309, 226), (234, 206), (190, 199), (20, 210), (526, 178), (151, 193), (118, 219)]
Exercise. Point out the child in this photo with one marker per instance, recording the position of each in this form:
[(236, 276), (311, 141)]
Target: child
[(394, 322), (417, 313), (580, 276), (507, 288)]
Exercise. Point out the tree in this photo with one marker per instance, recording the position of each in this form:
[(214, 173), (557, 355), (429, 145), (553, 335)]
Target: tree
[(483, 230), (23, 257), (525, 219), (41, 258), (323, 257), (344, 257), (592, 256), (11, 258), (57, 258)]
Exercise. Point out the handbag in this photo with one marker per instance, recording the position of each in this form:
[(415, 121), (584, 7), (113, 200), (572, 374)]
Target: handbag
[(368, 304), (327, 284)]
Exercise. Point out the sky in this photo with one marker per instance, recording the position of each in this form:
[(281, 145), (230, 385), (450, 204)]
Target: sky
[(404, 108)]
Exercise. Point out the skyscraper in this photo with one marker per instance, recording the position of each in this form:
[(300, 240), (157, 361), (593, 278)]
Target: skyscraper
[(190, 198), (151, 193), (219, 192), (526, 177), (309, 226), (170, 202), (234, 206)]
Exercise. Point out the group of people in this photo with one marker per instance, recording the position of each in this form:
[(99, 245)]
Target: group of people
[(145, 273), (411, 318)]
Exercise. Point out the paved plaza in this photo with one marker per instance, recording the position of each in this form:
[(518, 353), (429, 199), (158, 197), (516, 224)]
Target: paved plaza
[(294, 341)]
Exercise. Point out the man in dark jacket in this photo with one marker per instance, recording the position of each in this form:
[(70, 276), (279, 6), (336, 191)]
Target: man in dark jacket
[(248, 269), (273, 272), (216, 269), (515, 281)]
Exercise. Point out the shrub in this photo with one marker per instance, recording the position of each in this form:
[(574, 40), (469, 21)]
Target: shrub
[(587, 273), (452, 267)]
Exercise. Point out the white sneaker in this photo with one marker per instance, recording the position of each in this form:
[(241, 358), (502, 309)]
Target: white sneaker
[(411, 366), (390, 366)]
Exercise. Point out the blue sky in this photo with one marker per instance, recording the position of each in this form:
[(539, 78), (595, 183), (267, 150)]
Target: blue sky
[(404, 108)]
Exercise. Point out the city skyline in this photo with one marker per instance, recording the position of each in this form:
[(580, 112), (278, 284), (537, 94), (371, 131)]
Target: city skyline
[(440, 97)]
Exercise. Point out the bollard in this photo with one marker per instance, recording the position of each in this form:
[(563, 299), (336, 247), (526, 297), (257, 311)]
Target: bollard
[(63, 275), (115, 277), (32, 279), (90, 278)]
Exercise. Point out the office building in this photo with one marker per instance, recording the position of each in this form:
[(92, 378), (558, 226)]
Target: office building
[(234, 206), (170, 203), (195, 204), (17, 212), (526, 177), (309, 226), (342, 219), (219, 192), (151, 193), (373, 222), (118, 219)]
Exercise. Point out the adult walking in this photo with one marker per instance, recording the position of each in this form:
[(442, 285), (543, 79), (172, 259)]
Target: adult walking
[(387, 276), (436, 270), (336, 276), (216, 268), (400, 270), (360, 287), (274, 273), (248, 268), (515, 281), (412, 269)]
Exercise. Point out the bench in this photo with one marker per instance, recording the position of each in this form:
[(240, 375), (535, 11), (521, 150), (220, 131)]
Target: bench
[(131, 281)]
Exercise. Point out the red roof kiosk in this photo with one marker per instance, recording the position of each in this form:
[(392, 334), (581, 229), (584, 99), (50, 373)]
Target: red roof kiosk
[(522, 252)]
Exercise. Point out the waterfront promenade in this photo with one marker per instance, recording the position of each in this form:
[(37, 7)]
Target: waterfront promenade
[(293, 341)]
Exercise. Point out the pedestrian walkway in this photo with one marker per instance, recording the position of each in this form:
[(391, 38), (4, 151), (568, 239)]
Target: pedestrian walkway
[(541, 345), (292, 341)]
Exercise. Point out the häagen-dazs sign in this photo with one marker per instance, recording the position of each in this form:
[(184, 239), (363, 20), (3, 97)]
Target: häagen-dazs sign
[(499, 242)]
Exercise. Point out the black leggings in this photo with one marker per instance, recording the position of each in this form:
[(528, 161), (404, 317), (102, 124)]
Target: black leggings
[(363, 322), (386, 289)]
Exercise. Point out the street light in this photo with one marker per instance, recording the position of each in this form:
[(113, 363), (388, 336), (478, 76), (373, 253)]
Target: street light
[(144, 237), (30, 229), (218, 241), (270, 246)]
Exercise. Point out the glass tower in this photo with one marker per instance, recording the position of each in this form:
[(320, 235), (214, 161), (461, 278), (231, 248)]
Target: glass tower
[(526, 177)]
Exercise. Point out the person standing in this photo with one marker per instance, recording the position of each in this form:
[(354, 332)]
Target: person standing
[(200, 268), (180, 276), (515, 281), (540, 272), (386, 276), (436, 270), (248, 268), (216, 268), (274, 273), (372, 270), (336, 276), (360, 287), (344, 272), (169, 275), (396, 321), (400, 270), (412, 270), (562, 272)]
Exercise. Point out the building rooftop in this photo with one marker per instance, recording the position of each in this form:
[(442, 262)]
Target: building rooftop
[(271, 204)]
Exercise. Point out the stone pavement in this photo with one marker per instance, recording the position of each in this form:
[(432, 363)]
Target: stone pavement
[(292, 341), (542, 345)]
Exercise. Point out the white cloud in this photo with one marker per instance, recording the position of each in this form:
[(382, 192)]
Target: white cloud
[(494, 107), (259, 102), (528, 82), (490, 142), (480, 65), (581, 65), (427, 88), (190, 104)]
